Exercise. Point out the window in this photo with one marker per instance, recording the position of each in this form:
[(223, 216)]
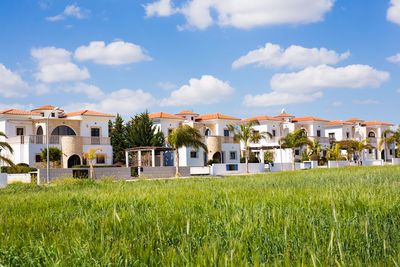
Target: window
[(232, 167), (95, 131), (38, 158), (192, 118), (297, 152), (332, 136), (347, 135), (391, 152), (53, 114), (232, 155), (63, 130), (226, 132), (20, 131), (371, 134), (193, 154), (319, 133), (370, 151), (207, 132), (273, 132), (100, 159)]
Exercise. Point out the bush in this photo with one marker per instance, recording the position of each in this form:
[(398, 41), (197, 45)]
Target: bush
[(17, 169), (268, 157), (212, 161), (297, 160)]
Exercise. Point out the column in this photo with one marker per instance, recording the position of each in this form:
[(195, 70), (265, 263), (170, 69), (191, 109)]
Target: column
[(162, 158), (153, 158), (139, 161), (127, 158), (262, 156)]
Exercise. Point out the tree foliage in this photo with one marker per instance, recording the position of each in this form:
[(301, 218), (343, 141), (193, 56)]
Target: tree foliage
[(55, 155), (392, 137), (117, 133), (5, 146), (140, 131), (295, 140)]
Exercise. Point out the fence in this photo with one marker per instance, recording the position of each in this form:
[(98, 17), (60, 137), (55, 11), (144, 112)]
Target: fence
[(236, 168)]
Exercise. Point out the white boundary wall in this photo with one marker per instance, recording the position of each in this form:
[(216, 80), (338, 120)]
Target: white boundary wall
[(338, 164), (221, 169), (378, 162), (19, 177), (396, 161), (3, 180)]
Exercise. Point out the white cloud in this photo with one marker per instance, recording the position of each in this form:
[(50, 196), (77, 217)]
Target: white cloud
[(307, 85), (243, 14), (365, 102), (11, 84), (166, 85), (71, 11), (337, 103), (394, 59), (115, 53), (162, 8), (206, 90), (124, 101), (92, 91), (393, 12), (278, 99), (5, 106), (55, 65), (273, 55), (42, 89), (323, 77)]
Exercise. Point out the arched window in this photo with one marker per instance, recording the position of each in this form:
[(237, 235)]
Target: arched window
[(371, 134), (39, 131), (207, 132), (63, 130)]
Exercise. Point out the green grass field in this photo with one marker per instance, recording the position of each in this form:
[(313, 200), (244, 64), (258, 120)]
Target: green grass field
[(319, 217)]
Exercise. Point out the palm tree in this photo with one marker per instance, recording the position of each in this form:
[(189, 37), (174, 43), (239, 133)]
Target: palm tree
[(315, 150), (90, 156), (334, 152), (245, 133), (359, 146), (6, 146), (391, 137), (294, 140), (187, 136)]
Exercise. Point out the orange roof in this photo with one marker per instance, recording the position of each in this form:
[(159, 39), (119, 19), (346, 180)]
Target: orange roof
[(19, 112), (355, 120), (308, 119), (216, 116), (163, 115), (338, 123), (369, 123), (261, 118), (45, 107), (86, 113), (186, 112), (284, 115)]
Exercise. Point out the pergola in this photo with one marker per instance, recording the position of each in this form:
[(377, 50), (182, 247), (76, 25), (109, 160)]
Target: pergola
[(139, 151)]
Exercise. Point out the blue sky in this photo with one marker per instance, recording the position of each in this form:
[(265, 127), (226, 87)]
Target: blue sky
[(321, 58)]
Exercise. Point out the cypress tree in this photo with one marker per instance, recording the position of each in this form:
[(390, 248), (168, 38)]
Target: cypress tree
[(142, 132), (118, 138)]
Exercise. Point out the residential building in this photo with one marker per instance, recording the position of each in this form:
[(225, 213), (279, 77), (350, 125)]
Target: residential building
[(74, 133), (214, 129)]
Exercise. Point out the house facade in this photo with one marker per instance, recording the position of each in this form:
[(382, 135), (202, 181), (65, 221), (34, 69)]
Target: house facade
[(74, 133), (215, 134)]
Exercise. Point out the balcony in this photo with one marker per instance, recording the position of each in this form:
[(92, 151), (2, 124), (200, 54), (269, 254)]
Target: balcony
[(322, 140), (57, 140)]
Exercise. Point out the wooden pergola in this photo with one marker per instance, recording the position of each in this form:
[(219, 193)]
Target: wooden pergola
[(139, 151)]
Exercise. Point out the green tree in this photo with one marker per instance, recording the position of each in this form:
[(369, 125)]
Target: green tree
[(359, 146), (295, 140), (314, 150), (391, 137), (140, 131), (268, 157), (334, 153), (6, 146), (349, 146), (90, 156), (184, 136), (55, 155), (245, 133), (117, 133)]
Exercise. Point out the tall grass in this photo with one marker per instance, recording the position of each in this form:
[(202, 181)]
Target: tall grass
[(347, 216)]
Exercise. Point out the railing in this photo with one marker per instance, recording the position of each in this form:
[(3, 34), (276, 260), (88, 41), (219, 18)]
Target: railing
[(324, 140), (56, 140)]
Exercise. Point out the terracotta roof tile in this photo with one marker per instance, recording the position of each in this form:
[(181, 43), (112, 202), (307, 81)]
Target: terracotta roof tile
[(354, 120), (19, 112), (45, 107), (308, 119), (261, 118), (163, 115), (370, 123), (284, 115), (339, 123), (186, 112), (216, 116), (86, 113)]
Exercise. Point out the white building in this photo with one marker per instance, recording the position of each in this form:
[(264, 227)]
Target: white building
[(74, 133), (220, 143)]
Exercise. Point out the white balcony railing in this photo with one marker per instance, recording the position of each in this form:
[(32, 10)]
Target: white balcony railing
[(57, 140)]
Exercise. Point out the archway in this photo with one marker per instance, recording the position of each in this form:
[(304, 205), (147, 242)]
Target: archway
[(63, 130), (383, 155), (39, 131), (208, 132), (74, 160), (217, 156), (371, 134), (39, 135)]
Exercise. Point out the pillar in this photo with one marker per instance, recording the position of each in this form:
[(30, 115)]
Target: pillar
[(139, 161), (127, 158), (153, 158), (162, 158), (262, 156)]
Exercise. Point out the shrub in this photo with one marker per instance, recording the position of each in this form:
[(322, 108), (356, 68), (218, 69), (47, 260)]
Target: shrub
[(268, 157), (17, 169), (212, 161)]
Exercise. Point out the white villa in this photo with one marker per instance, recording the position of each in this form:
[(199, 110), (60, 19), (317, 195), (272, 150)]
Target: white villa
[(74, 133), (220, 143)]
